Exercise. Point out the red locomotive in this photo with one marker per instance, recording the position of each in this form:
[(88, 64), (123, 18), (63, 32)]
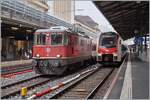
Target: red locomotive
[(110, 49), (58, 48)]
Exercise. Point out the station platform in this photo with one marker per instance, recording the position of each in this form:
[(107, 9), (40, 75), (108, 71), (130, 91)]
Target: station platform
[(15, 63), (132, 81)]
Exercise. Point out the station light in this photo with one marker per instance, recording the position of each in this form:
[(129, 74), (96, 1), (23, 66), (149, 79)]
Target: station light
[(11, 37), (14, 28), (115, 54), (28, 31)]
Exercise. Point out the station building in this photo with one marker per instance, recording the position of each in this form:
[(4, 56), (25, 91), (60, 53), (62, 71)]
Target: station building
[(63, 9), (16, 33)]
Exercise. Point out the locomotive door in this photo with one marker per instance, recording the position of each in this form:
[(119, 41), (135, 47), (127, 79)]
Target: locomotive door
[(73, 45)]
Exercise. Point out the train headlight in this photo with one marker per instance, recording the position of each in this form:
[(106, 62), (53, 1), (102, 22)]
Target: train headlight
[(37, 55), (99, 54), (115, 54), (58, 56)]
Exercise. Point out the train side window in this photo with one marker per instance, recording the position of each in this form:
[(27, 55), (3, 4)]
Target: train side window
[(43, 39), (38, 39), (35, 39), (82, 42), (93, 47), (65, 42), (75, 40)]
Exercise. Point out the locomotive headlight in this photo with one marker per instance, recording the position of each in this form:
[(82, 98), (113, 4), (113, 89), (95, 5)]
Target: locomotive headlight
[(58, 56), (99, 54), (37, 55), (115, 54)]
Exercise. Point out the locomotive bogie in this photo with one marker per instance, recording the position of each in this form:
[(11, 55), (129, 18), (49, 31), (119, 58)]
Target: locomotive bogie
[(53, 66)]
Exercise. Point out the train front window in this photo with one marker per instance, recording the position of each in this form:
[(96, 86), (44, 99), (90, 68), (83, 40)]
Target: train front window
[(108, 42), (40, 39), (56, 39)]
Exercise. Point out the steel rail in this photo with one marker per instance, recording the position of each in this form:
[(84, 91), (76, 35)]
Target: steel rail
[(99, 85), (54, 96), (79, 76), (29, 85), (18, 82), (10, 71)]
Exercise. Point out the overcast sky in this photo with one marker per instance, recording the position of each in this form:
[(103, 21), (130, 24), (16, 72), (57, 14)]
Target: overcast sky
[(90, 9)]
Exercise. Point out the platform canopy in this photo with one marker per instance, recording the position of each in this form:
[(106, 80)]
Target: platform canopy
[(129, 18)]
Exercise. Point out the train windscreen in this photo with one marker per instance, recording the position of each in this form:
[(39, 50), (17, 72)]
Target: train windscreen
[(56, 39), (40, 39), (108, 41), (59, 39)]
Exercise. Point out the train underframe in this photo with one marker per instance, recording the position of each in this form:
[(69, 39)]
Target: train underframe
[(60, 66), (108, 59)]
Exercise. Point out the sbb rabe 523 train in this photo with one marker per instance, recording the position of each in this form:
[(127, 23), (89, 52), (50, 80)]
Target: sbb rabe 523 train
[(110, 49), (57, 49)]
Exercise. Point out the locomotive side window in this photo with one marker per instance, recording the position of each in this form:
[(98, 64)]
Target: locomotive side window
[(56, 39), (82, 42), (65, 39)]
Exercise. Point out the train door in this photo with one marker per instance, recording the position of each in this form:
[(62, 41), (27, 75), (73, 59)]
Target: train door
[(74, 47), (71, 47)]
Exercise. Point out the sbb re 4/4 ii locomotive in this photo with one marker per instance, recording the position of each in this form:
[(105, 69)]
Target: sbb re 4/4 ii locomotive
[(57, 49)]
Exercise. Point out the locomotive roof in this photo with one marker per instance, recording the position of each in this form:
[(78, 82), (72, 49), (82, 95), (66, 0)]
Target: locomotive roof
[(61, 29), (43, 30), (112, 33), (49, 30), (55, 29)]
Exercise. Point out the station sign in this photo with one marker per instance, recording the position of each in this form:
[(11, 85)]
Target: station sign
[(138, 40)]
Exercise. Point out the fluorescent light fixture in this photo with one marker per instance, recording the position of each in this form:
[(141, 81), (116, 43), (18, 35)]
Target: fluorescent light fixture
[(11, 37), (14, 28), (28, 30)]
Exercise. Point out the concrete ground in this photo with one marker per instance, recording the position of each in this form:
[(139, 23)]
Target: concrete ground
[(133, 80)]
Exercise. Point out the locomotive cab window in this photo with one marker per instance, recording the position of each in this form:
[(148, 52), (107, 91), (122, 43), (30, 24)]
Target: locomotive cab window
[(40, 39), (56, 39), (59, 39)]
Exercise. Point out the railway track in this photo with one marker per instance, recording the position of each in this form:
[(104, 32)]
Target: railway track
[(82, 88), (9, 70), (13, 89)]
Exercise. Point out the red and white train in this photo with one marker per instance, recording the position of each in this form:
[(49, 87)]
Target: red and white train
[(110, 49), (57, 49)]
